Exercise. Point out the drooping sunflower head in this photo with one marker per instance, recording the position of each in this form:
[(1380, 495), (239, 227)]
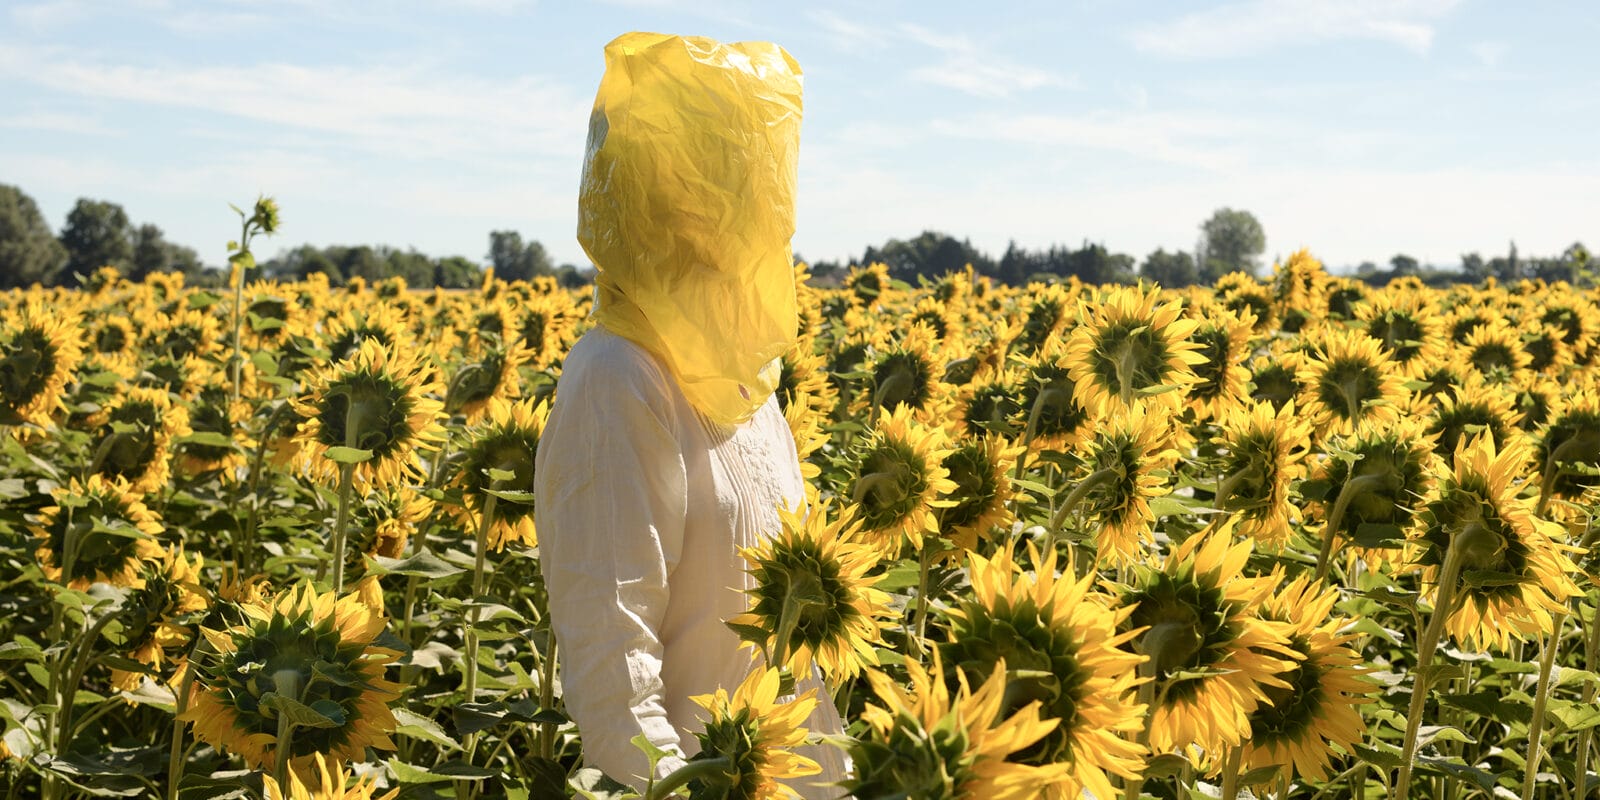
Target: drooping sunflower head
[(302, 652), (492, 376), (993, 405), (1444, 378), (980, 468), (546, 327), (1496, 352), (1567, 450), (812, 600), (1060, 642), (1132, 347), (1263, 450), (1048, 314), (1479, 407), (897, 480), (1466, 318), (39, 352), (904, 374), (1405, 328), (1125, 465), (345, 332), (99, 531), (1223, 338), (803, 371), (1278, 378), (1547, 349), (1210, 653), (184, 333), (141, 426), (214, 411), (1303, 722), (1384, 472), (377, 401), (156, 622), (1577, 320), (868, 283), (1513, 572), (1050, 403), (758, 735), (113, 335), (1345, 298), (1300, 282), (1246, 296), (497, 472), (1350, 381), (927, 744)]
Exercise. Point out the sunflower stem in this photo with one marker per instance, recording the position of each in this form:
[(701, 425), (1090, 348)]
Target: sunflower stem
[(1352, 488), (286, 683), (175, 752), (709, 769), (1449, 574), (1230, 772), (1541, 700), (1591, 653), (788, 618), (869, 483), (924, 566), (469, 684), (1552, 470), (1082, 490), (336, 552), (547, 696)]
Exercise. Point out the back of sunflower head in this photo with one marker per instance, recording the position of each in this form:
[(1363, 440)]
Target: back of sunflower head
[(687, 210)]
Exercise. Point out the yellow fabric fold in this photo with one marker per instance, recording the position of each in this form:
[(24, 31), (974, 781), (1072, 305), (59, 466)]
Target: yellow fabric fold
[(687, 210)]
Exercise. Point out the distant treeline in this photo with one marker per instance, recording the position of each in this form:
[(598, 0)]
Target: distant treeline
[(99, 233)]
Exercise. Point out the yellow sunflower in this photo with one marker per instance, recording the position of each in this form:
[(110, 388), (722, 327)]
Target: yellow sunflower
[(904, 374), (1478, 407), (897, 480), (494, 375), (1300, 725), (1123, 466), (215, 412), (331, 783), (1514, 572), (99, 531), (1263, 453), (1129, 348), (156, 622), (1405, 328), (39, 352), (1060, 641), (1278, 377), (813, 600), (757, 734), (1211, 655), (1496, 352), (981, 470), (993, 404), (1567, 450), (500, 460), (1050, 402), (313, 651), (375, 401), (1350, 381), (1376, 477), (926, 744), (1223, 337), (144, 424)]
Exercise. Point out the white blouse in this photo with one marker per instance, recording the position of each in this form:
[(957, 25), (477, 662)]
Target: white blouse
[(642, 507)]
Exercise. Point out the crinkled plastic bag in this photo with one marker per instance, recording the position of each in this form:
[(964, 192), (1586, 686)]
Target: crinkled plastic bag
[(687, 210)]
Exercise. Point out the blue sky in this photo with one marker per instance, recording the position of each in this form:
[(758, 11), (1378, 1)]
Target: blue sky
[(1357, 128)]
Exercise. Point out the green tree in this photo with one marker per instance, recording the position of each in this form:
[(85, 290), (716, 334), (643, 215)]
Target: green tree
[(97, 234), (29, 250), (1230, 241), (153, 253), (1402, 265), (1173, 270), (456, 272), (515, 260)]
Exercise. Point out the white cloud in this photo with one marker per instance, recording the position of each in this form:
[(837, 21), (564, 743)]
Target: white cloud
[(56, 122), (845, 34), (399, 110), (1489, 54), (1254, 26), (966, 67), (48, 14), (1201, 141)]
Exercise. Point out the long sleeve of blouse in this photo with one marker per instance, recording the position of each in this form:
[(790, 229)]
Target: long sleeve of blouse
[(612, 503)]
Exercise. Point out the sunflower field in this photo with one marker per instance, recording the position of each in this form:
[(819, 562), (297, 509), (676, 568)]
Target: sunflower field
[(1288, 538)]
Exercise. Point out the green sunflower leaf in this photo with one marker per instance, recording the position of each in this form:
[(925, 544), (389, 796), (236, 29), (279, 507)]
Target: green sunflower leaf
[(421, 565), (301, 715), (348, 455), (417, 726)]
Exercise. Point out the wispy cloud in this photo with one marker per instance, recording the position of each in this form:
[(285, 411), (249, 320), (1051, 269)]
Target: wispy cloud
[(1254, 26), (844, 33), (48, 14), (968, 68), (1201, 141), (400, 110), (56, 122)]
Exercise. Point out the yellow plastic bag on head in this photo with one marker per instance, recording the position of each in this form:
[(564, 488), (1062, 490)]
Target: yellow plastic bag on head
[(687, 210)]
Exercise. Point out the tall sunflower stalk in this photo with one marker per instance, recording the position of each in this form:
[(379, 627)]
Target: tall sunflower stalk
[(263, 219)]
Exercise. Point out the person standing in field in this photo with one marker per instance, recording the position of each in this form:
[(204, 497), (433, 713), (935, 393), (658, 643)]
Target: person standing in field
[(665, 452)]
